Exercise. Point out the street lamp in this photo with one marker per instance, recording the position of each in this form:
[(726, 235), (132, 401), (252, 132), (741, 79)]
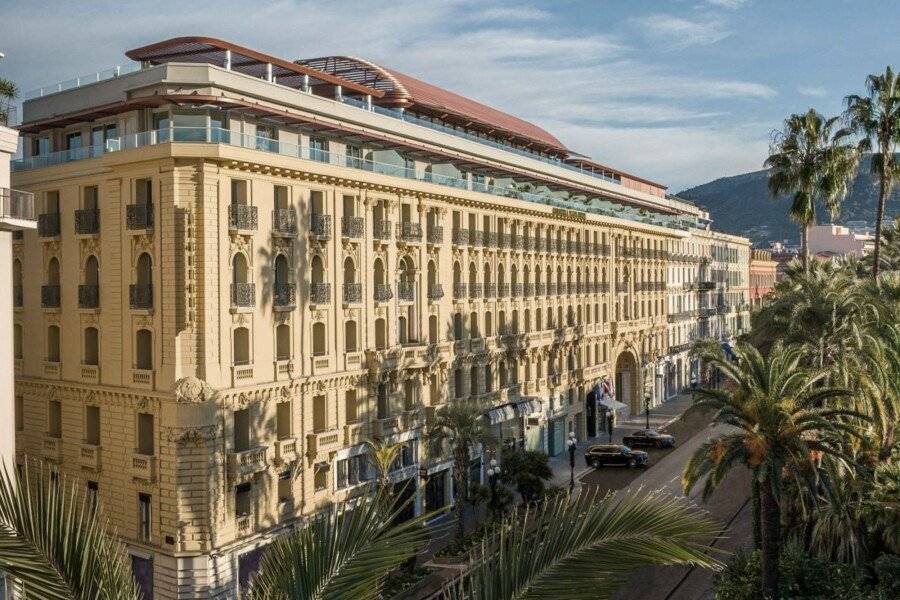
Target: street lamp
[(573, 444)]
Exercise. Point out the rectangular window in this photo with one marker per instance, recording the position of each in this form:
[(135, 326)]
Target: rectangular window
[(351, 413), (92, 495), (90, 197), (243, 499), (354, 157), (145, 435), (281, 197), (241, 430), (73, 141), (143, 191), (54, 419), (40, 146), (145, 516), (318, 149), (283, 420), (51, 202), (92, 425), (320, 413), (320, 476), (239, 191), (20, 413), (285, 487), (267, 137)]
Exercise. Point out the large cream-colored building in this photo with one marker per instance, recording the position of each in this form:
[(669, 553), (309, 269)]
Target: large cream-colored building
[(246, 267)]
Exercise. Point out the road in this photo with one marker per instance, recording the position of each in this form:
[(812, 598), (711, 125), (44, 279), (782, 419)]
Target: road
[(728, 506)]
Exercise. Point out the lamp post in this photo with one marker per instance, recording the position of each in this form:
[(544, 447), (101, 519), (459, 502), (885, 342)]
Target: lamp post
[(573, 444), (647, 399), (493, 474)]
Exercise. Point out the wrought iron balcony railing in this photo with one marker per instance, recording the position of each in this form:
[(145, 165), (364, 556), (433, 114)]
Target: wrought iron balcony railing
[(381, 230), (435, 291), (352, 293), (140, 296), (475, 290), (48, 224), (87, 221), (284, 294), (243, 217), (320, 226), (459, 291), (320, 293), (243, 294), (50, 296), (139, 216), (88, 296), (284, 221), (352, 227), (383, 292), (435, 234), (409, 232), (406, 291), (461, 237)]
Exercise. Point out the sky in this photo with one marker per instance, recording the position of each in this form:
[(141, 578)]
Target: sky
[(678, 91)]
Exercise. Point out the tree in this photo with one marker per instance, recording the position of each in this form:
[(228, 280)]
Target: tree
[(812, 161), (461, 423), (382, 456), (344, 552), (582, 548), (780, 410), (877, 117), (55, 545), (9, 91), (527, 470)]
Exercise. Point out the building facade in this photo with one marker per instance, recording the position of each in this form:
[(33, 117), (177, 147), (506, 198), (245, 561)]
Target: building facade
[(763, 273), (836, 240), (247, 267)]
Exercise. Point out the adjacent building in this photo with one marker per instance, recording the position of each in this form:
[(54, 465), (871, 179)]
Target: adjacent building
[(245, 267), (763, 274), (836, 240)]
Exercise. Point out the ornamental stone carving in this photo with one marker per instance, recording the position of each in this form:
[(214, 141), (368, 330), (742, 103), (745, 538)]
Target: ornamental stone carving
[(192, 389)]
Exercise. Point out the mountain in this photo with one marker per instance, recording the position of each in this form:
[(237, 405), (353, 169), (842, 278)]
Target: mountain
[(741, 204)]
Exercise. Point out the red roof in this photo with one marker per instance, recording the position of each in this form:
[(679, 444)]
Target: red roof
[(407, 91)]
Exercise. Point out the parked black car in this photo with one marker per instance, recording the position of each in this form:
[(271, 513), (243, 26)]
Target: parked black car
[(649, 437), (614, 454)]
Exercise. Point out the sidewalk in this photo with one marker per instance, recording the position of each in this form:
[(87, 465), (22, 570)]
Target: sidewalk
[(660, 416)]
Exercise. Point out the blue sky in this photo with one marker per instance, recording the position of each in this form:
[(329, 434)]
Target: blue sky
[(679, 91)]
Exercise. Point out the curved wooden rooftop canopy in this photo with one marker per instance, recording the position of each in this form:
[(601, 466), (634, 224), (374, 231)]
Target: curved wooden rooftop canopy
[(196, 49), (400, 90)]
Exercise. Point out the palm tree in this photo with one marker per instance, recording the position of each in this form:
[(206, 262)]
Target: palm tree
[(461, 423), (582, 548), (813, 162), (877, 117), (55, 545), (780, 413), (382, 456), (345, 552), (9, 91)]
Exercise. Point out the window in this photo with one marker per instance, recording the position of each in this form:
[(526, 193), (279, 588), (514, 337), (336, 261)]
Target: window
[(407, 457), (93, 493), (320, 476), (143, 350), (319, 348), (143, 191), (283, 342), (354, 157), (318, 149), (241, 430), (91, 347), (40, 146), (266, 137), (350, 336), (52, 343), (145, 434), (320, 413), (239, 193), (285, 486), (20, 413), (17, 341), (92, 425), (241, 346), (243, 499), (381, 405), (73, 141), (54, 419), (144, 517), (351, 411), (283, 420), (353, 470)]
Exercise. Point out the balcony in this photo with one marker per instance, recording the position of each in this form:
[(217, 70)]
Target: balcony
[(461, 237), (385, 427), (89, 458), (323, 441), (540, 289), (284, 296), (435, 291), (51, 449), (383, 292), (286, 450), (489, 239), (529, 290), (476, 238), (517, 290), (139, 216), (409, 232), (140, 296), (551, 289), (320, 293), (527, 243), (381, 230), (48, 225), (88, 296), (87, 221), (243, 295), (352, 293), (503, 290), (320, 227), (352, 227), (16, 206), (241, 374), (406, 292), (143, 466), (50, 296), (622, 286), (705, 286), (355, 433), (247, 462), (475, 290), (435, 235), (459, 291), (284, 222)]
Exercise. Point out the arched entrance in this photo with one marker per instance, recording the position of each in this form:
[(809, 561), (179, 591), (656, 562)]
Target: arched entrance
[(628, 381)]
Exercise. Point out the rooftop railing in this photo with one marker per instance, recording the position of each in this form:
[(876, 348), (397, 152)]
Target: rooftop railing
[(81, 80), (15, 204), (216, 135)]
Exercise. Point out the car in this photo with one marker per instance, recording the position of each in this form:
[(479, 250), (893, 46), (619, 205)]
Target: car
[(649, 437), (614, 454)]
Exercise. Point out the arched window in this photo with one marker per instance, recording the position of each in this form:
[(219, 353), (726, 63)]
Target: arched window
[(53, 343), (239, 270), (350, 336), (488, 324), (17, 341), (283, 342), (473, 325), (241, 346), (319, 345), (380, 334), (457, 274), (458, 386), (473, 275), (527, 316), (486, 275), (281, 270), (503, 374), (53, 272), (91, 346), (433, 329), (318, 271), (378, 271), (473, 381), (432, 274), (91, 271), (143, 349), (488, 379)]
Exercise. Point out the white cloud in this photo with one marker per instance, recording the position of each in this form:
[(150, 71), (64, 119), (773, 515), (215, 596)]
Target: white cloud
[(732, 4), (509, 13), (677, 32), (812, 90)]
